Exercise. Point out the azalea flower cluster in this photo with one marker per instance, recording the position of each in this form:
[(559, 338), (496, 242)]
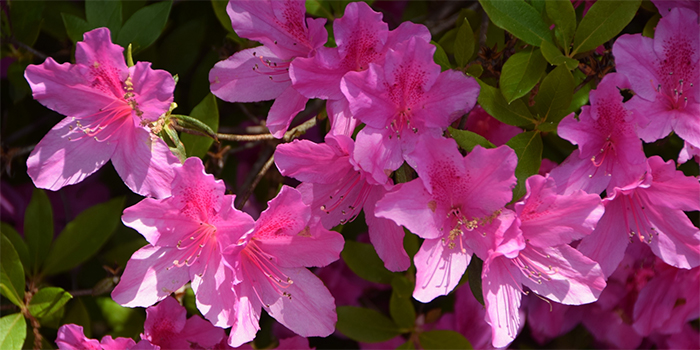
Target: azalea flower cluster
[(389, 106)]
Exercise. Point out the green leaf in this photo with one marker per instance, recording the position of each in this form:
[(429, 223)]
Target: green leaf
[(528, 148), (219, 7), (447, 41), (84, 236), (443, 339), (521, 73), (13, 330), (365, 325), (364, 261), (47, 301), (408, 345), (474, 278), (145, 26), (475, 70), (123, 321), (552, 54), (104, 13), (75, 26), (38, 228), (11, 273), (77, 314), (464, 44), (207, 112), (26, 18), (467, 139), (519, 18), (18, 243), (440, 57), (493, 102), (563, 15), (650, 27), (554, 96), (400, 305), (604, 20)]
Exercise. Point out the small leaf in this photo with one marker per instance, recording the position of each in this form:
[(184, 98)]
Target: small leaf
[(493, 102), (467, 139), (47, 301), (554, 96), (400, 305), (604, 20), (440, 57), (528, 148), (11, 273), (84, 236), (474, 278), (219, 7), (38, 227), (18, 243), (475, 70), (519, 18), (104, 13), (364, 261), (145, 26), (365, 325), (206, 112), (464, 44), (75, 26), (13, 330), (443, 339), (26, 19), (552, 54), (650, 27), (520, 73), (563, 15)]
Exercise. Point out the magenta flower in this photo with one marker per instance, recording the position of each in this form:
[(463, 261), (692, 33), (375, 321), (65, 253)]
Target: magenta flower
[(454, 205), (401, 101), (72, 337), (262, 73), (269, 269), (664, 73), (108, 106), (649, 211)]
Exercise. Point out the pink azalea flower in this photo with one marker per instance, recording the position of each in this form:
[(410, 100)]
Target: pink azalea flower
[(72, 337), (610, 152), (651, 212), (187, 233), (361, 37), (269, 268), (337, 189), (262, 73), (454, 205), (664, 73), (108, 106), (547, 320), (665, 6), (689, 152), (401, 101)]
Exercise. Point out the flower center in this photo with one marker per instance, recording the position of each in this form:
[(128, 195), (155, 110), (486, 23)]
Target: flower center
[(191, 248)]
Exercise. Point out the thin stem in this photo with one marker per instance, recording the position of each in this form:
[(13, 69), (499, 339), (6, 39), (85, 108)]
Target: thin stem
[(255, 182), (288, 136)]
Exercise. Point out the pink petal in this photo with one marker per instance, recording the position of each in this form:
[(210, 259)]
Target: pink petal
[(247, 315), (313, 246), (215, 297), (438, 269), (108, 343), (283, 110), (318, 76), (71, 337), (153, 90), (636, 55), (286, 214), (409, 205), (385, 235), (607, 243), (502, 299), (452, 95), (677, 240), (378, 153), (97, 47), (201, 332), (168, 316), (671, 188), (159, 221), (317, 163)]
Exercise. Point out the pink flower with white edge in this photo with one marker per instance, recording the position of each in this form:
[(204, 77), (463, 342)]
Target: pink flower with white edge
[(167, 327), (187, 234), (72, 337), (108, 106), (269, 269)]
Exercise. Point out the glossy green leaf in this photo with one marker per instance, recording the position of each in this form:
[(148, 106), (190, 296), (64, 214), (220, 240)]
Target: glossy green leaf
[(563, 15), (518, 18), (447, 41), (75, 26), (474, 278), (400, 304), (104, 13), (464, 44), (13, 330), (475, 70), (11, 273), (554, 97), (492, 101), (18, 243), (144, 26), (48, 301), (219, 7), (581, 96), (604, 20), (365, 325), (364, 261), (555, 57), (123, 321), (76, 313), (38, 227), (443, 339), (26, 19), (440, 57), (84, 236), (206, 112), (650, 27), (467, 139), (520, 73), (528, 148)]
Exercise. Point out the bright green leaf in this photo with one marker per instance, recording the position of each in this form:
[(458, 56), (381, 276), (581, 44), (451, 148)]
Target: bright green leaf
[(519, 18), (144, 26), (400, 305), (650, 27), (207, 112), (467, 139), (443, 339), (18, 243), (13, 330), (604, 20), (521, 72), (464, 44), (563, 15), (11, 273), (77, 314), (474, 278), (124, 321), (552, 54), (48, 301), (104, 13), (554, 97), (528, 148), (364, 261), (219, 7), (38, 227), (84, 236), (26, 19), (440, 57), (75, 26), (492, 101), (581, 96), (365, 325)]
